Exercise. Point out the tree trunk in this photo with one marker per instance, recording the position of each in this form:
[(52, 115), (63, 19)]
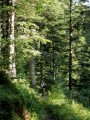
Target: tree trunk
[(53, 63), (41, 66), (12, 66), (32, 72), (4, 42), (8, 52), (70, 49)]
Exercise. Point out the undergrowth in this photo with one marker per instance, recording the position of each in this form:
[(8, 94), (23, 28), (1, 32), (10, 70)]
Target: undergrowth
[(20, 102), (63, 108), (31, 99)]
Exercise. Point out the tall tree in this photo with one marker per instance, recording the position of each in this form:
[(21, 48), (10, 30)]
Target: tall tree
[(70, 48), (11, 18), (8, 52), (4, 24)]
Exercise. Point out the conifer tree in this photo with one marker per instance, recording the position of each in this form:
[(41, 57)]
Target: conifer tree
[(70, 48), (11, 19), (8, 35)]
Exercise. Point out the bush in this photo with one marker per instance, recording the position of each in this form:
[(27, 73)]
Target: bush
[(4, 78), (11, 100), (63, 108), (17, 98), (32, 100)]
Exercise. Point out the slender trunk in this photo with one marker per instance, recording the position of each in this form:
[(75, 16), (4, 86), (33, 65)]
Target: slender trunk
[(70, 49), (4, 42), (12, 66), (8, 53), (50, 67), (53, 63), (41, 66), (32, 64), (32, 72), (0, 53)]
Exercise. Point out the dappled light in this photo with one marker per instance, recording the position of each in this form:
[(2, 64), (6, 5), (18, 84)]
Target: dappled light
[(44, 60), (64, 108)]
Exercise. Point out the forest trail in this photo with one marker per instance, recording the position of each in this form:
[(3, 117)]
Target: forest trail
[(48, 115)]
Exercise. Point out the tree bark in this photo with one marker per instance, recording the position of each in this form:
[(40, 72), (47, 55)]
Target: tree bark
[(32, 72), (12, 66), (4, 36), (53, 63), (41, 66), (8, 53), (70, 49)]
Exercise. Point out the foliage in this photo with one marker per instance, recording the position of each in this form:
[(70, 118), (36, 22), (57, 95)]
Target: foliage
[(18, 97), (42, 30), (4, 77), (63, 108), (9, 101), (31, 98)]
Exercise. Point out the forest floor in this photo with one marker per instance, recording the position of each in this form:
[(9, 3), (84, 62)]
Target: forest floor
[(48, 115)]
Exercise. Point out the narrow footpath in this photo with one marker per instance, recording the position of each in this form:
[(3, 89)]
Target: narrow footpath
[(48, 115)]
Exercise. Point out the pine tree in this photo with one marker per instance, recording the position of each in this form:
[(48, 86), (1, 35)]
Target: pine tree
[(8, 36), (70, 48), (11, 19)]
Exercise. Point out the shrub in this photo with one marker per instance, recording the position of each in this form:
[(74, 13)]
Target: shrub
[(63, 108), (4, 78)]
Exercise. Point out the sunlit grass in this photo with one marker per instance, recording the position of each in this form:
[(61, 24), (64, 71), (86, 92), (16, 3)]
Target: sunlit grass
[(32, 100), (63, 108)]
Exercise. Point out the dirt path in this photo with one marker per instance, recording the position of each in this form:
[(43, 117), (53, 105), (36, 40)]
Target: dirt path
[(48, 115)]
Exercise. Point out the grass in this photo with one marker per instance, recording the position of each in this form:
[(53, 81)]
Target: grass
[(63, 108), (18, 101)]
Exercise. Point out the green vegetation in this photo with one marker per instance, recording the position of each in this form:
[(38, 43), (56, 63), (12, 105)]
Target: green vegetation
[(18, 101), (44, 60), (63, 108)]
